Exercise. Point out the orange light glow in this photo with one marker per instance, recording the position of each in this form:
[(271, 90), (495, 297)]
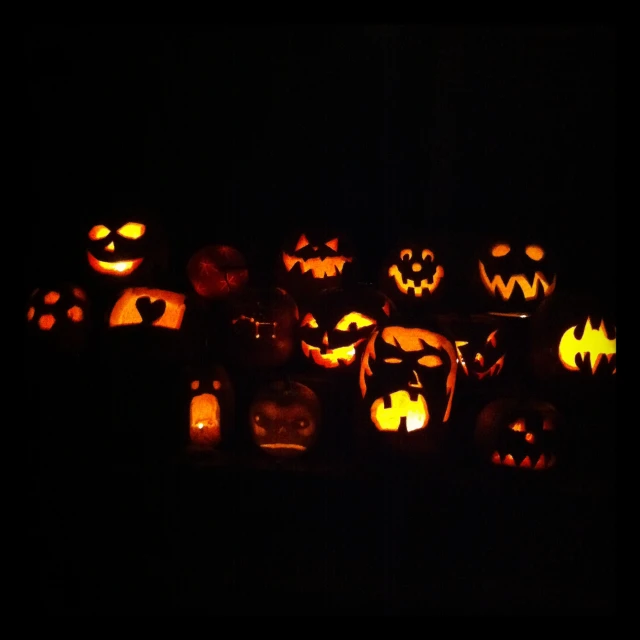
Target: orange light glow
[(132, 230), (497, 286), (332, 358), (415, 412), (125, 311), (98, 232), (119, 268), (46, 322), (204, 426), (79, 293), (411, 285), (594, 342), (52, 297), (534, 252), (75, 314), (327, 267), (30, 313)]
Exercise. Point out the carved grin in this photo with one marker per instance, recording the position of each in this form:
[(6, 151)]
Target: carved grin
[(327, 267), (508, 460), (332, 358), (529, 290), (397, 408), (119, 268), (416, 287)]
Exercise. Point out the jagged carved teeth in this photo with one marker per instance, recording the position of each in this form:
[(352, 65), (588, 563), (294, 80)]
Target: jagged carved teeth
[(584, 360), (541, 463)]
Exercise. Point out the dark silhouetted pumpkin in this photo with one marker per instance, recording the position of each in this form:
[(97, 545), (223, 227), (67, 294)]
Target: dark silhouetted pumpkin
[(216, 271)]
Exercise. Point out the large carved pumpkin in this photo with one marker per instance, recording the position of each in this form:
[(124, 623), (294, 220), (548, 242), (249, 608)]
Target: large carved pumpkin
[(335, 326)]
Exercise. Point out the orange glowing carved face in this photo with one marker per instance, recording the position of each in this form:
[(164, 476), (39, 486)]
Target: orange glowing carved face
[(319, 261), (511, 273), (481, 358), (204, 414), (416, 273), (110, 249)]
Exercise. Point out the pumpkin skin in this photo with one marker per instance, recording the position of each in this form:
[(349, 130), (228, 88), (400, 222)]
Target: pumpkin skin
[(336, 325), (58, 317), (125, 247), (519, 433), (216, 271), (261, 328), (407, 380), (574, 338), (284, 418), (512, 277), (315, 259), (211, 407)]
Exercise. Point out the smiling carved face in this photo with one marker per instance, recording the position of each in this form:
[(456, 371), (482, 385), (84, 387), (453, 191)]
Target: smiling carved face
[(114, 251)]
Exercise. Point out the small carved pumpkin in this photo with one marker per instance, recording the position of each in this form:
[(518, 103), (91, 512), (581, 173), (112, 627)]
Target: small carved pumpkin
[(261, 328), (313, 260), (407, 379), (284, 418), (513, 276), (215, 271), (336, 325), (58, 316), (520, 433)]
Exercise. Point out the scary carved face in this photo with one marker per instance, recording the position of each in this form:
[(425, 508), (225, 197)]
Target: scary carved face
[(117, 249), (58, 313), (407, 378), (415, 272), (209, 407), (481, 348), (284, 418), (516, 274), (216, 271), (519, 434), (338, 323)]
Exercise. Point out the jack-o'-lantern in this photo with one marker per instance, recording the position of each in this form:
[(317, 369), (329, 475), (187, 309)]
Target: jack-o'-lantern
[(124, 245), (313, 260), (513, 277), (284, 418), (574, 337), (414, 273), (521, 433), (215, 271), (261, 328), (148, 307), (58, 316), (211, 406), (336, 325), (407, 379)]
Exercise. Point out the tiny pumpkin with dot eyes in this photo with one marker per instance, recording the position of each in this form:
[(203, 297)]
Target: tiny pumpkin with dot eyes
[(520, 433), (211, 406), (513, 277), (284, 418), (336, 325), (58, 316)]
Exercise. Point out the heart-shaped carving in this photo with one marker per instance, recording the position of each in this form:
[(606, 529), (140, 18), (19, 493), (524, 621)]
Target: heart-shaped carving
[(150, 311)]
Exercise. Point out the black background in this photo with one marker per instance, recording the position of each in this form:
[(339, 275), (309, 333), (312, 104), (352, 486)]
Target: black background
[(236, 133)]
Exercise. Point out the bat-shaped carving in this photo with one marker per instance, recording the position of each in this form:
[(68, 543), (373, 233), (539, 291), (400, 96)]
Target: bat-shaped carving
[(594, 342)]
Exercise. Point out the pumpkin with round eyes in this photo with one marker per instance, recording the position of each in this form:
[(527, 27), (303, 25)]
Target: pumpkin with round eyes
[(513, 277), (336, 325), (413, 273), (313, 260), (407, 380), (211, 406), (125, 245), (519, 433), (284, 417), (216, 271), (58, 317)]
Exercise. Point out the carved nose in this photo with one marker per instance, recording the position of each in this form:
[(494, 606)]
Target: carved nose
[(325, 339), (416, 381), (530, 438), (110, 247)]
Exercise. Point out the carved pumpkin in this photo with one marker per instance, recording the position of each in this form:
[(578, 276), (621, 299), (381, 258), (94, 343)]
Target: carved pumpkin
[(211, 406), (407, 379), (215, 271), (513, 277), (414, 273), (58, 317), (574, 337), (314, 260), (125, 245), (519, 433), (261, 328), (284, 418), (336, 325)]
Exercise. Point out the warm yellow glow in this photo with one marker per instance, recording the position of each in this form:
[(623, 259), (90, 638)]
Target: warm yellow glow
[(530, 290), (333, 244), (358, 319), (416, 266), (329, 266), (406, 285), (282, 445), (98, 232), (499, 250), (195, 384), (406, 254), (462, 343), (52, 297), (302, 242), (430, 361), (125, 311), (493, 370), (595, 342), (110, 247), (119, 268), (204, 420), (415, 412), (309, 321), (217, 384), (492, 338), (518, 425), (30, 313), (509, 461), (534, 252), (426, 253), (132, 230), (75, 314), (332, 358), (530, 437), (46, 322), (79, 293)]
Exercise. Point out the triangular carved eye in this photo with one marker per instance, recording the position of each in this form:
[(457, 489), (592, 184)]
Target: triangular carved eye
[(333, 244), (302, 242)]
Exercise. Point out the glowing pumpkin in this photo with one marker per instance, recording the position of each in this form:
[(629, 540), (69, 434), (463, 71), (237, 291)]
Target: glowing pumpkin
[(215, 271)]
